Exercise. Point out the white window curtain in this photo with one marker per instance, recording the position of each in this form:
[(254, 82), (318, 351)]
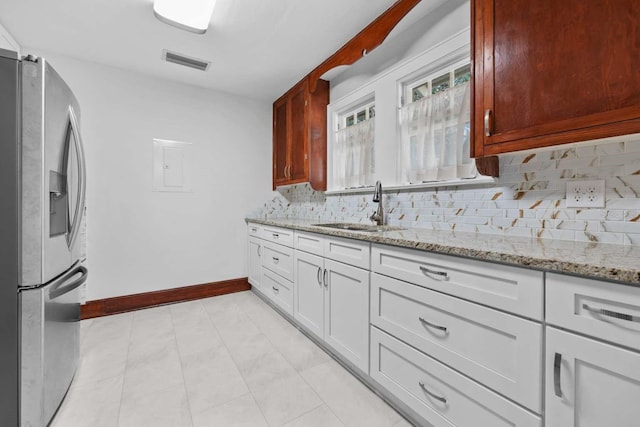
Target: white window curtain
[(353, 162), (435, 137)]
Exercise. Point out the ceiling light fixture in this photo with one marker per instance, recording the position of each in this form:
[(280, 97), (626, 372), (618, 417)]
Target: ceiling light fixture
[(190, 15)]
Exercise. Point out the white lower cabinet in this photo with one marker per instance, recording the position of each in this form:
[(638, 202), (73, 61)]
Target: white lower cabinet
[(438, 394), (255, 262), (332, 301), (590, 383), (458, 341), (308, 307), (346, 312)]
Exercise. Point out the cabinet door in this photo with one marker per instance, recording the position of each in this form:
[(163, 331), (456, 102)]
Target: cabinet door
[(308, 304), (554, 72), (298, 166), (280, 144), (346, 317), (255, 261), (589, 383)]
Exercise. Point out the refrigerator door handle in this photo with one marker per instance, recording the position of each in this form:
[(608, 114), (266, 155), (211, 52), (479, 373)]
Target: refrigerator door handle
[(58, 290), (80, 204)]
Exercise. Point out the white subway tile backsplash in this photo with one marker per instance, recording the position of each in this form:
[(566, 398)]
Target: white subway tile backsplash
[(527, 200), (632, 146)]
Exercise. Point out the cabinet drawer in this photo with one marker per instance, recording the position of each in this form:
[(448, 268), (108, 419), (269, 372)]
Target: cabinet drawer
[(437, 393), (601, 309), (501, 351), (279, 290), (511, 289), (282, 236), (348, 251), (309, 242), (278, 259), (254, 229)]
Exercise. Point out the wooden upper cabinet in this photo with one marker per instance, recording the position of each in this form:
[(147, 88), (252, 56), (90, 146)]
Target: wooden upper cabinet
[(553, 71), (300, 136), (280, 160)]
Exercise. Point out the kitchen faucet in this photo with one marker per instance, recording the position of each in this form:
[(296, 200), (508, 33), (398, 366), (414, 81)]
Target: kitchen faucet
[(378, 216)]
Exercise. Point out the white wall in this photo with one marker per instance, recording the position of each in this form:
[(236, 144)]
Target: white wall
[(140, 240), (7, 41)]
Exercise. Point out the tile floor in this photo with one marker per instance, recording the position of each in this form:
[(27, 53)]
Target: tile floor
[(222, 361)]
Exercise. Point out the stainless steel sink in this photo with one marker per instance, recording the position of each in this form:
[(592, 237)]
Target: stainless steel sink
[(359, 227)]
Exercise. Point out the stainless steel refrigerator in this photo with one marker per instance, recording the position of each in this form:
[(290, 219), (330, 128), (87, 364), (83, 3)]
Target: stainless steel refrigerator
[(42, 239)]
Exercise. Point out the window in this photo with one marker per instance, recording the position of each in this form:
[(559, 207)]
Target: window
[(435, 126), (438, 84), (353, 148), (360, 114)]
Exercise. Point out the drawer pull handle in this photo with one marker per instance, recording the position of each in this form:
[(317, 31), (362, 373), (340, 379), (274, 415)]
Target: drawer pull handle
[(487, 122), (319, 276), (275, 235), (428, 271), (254, 229), (433, 325), (275, 289), (435, 396), (557, 360), (276, 260), (615, 314), (324, 278)]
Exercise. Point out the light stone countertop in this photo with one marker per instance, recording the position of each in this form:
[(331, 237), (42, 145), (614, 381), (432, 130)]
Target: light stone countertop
[(593, 260)]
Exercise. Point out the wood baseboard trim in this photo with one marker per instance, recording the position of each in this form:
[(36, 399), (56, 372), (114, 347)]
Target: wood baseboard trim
[(126, 303)]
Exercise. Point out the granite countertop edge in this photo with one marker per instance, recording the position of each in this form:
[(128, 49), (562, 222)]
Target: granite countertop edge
[(601, 261)]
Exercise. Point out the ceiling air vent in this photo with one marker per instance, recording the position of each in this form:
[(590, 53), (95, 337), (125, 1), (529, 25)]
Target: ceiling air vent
[(180, 59)]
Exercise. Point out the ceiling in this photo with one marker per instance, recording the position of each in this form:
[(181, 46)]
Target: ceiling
[(258, 48)]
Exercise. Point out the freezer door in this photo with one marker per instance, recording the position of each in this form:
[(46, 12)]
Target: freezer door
[(50, 345), (53, 175)]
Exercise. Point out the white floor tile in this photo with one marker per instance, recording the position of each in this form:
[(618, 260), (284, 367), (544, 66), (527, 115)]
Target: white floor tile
[(211, 378), (245, 342), (299, 350), (223, 361), (403, 423), (156, 371), (194, 329), (319, 417), (240, 412), (167, 408), (101, 360), (265, 369), (95, 405), (352, 402), (284, 400)]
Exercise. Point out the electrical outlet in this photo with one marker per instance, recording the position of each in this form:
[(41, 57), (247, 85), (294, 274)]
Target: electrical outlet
[(585, 194)]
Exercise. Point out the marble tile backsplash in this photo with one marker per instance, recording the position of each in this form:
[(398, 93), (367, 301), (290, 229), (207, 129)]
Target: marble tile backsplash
[(527, 200)]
